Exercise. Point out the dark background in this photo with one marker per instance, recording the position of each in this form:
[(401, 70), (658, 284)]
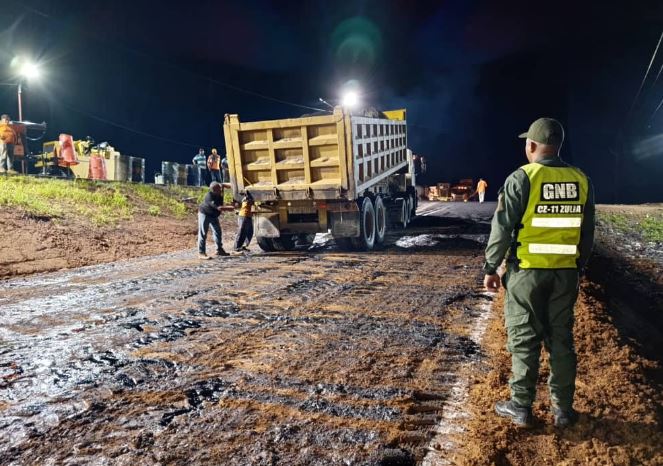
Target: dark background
[(155, 78)]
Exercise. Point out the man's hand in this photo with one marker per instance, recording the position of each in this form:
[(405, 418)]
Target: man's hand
[(492, 282)]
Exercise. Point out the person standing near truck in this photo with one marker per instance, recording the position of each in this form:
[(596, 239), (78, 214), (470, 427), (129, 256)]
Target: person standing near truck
[(244, 224), (200, 162), (208, 216), (214, 166), (481, 189), (8, 139), (545, 218)]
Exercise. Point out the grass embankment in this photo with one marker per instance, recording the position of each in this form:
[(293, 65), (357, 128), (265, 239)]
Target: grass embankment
[(648, 226), (99, 202)]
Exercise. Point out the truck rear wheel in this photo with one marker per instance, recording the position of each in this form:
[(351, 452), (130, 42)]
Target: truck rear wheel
[(408, 208), (265, 244), (366, 239), (380, 221), (402, 223), (284, 243)]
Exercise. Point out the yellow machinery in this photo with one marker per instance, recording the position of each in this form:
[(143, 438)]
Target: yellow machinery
[(116, 166)]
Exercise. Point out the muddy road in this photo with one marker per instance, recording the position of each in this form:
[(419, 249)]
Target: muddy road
[(312, 357)]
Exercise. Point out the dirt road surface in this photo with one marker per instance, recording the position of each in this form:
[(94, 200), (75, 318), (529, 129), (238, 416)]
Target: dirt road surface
[(317, 357)]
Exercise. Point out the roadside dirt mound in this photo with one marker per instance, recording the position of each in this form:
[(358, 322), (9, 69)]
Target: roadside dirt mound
[(620, 407), (31, 244)]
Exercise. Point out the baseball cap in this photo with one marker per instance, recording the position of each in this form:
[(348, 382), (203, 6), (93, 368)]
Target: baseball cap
[(545, 131)]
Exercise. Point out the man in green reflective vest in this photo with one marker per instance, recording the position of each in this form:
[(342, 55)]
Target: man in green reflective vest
[(545, 221)]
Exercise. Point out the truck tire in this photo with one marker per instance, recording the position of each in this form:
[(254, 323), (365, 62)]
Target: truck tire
[(265, 244), (380, 221), (366, 239), (408, 209), (402, 218), (284, 243)]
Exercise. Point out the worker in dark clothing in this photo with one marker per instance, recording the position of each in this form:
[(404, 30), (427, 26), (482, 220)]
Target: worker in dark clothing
[(208, 216), (245, 224), (545, 219)]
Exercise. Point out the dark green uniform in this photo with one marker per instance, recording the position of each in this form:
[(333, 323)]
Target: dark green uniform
[(539, 300)]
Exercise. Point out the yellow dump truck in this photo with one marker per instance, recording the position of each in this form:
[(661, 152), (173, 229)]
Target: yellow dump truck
[(348, 174)]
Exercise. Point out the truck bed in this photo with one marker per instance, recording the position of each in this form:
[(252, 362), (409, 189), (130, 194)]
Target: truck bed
[(326, 157)]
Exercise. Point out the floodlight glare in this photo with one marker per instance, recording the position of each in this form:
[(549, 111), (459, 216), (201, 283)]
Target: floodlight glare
[(29, 70), (350, 99)]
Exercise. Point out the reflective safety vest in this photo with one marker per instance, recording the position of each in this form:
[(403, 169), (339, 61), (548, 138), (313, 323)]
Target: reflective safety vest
[(550, 228), (213, 162)]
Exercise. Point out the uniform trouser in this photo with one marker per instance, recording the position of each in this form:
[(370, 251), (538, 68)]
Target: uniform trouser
[(6, 159), (244, 232), (204, 222), (481, 196), (539, 309)]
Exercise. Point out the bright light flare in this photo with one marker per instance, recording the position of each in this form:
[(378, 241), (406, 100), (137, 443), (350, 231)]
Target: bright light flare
[(29, 70), (350, 99)]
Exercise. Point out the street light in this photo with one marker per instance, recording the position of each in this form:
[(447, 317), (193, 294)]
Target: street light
[(27, 71), (350, 99)]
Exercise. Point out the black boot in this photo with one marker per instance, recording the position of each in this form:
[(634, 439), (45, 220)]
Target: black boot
[(520, 415), (564, 417)]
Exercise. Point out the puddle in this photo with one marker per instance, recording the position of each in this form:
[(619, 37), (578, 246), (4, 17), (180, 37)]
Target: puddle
[(439, 240)]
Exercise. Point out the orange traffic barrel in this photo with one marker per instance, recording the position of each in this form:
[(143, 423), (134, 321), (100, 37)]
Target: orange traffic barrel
[(97, 169), (67, 151)]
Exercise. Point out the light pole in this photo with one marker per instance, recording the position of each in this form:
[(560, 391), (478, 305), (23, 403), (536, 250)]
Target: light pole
[(20, 103), (27, 71)]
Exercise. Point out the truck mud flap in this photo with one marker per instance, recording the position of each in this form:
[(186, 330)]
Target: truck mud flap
[(267, 226), (344, 224)]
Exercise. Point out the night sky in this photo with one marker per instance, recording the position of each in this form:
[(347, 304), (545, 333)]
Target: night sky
[(154, 78)]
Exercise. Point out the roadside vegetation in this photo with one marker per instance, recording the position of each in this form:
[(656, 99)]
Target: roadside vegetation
[(646, 226), (99, 202)]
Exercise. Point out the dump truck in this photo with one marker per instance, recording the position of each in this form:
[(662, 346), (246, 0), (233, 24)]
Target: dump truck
[(351, 175)]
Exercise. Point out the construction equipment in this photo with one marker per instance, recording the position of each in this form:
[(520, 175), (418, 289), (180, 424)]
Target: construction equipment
[(349, 174), (463, 190), (439, 192), (93, 161)]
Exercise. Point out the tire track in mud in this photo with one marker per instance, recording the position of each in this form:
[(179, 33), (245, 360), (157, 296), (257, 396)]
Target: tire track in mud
[(326, 358)]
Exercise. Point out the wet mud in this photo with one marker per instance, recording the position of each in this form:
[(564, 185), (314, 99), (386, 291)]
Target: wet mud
[(314, 357)]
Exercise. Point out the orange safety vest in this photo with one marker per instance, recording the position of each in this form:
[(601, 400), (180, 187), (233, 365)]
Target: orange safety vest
[(245, 209), (481, 186), (7, 134), (213, 162)]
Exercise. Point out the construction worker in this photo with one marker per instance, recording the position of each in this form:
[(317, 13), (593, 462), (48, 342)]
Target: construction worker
[(481, 189), (8, 139), (208, 216), (545, 217), (244, 224), (214, 166), (200, 164)]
